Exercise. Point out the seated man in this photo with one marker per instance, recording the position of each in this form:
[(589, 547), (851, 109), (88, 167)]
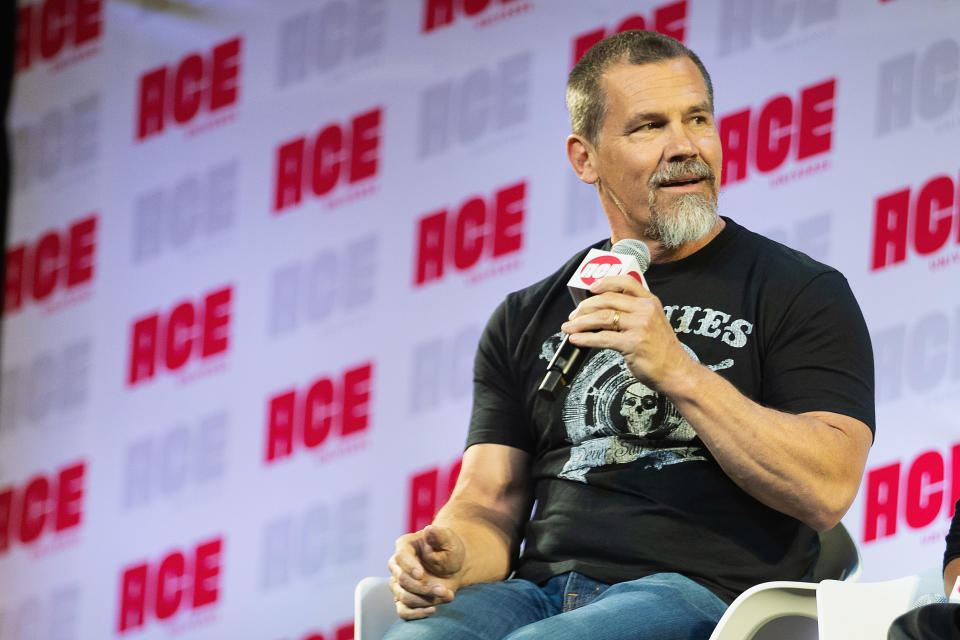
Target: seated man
[(718, 425)]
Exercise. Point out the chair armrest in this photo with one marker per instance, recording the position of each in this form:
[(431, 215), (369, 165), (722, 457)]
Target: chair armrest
[(866, 609), (373, 608), (762, 603)]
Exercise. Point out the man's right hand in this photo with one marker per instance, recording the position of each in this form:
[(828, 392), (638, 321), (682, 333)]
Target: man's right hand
[(423, 570)]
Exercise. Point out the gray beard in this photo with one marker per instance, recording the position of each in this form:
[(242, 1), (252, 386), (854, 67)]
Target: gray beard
[(691, 218)]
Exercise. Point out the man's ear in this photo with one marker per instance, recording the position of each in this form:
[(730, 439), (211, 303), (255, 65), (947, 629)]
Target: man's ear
[(582, 157)]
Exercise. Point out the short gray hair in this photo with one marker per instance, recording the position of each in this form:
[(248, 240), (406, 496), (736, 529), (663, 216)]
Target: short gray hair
[(586, 100)]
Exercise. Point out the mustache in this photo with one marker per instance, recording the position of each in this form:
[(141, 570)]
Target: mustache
[(676, 170)]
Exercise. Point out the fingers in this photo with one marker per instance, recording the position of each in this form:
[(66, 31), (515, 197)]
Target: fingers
[(406, 582), (415, 599), (614, 292), (613, 312), (406, 558), (606, 319), (415, 591), (407, 613), (608, 303), (410, 606), (619, 284)]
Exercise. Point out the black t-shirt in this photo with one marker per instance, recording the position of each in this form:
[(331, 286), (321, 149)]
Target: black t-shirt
[(623, 486), (953, 537)]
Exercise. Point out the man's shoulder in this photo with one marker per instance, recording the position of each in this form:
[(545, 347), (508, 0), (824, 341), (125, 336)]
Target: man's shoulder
[(780, 259), (536, 292), (534, 306)]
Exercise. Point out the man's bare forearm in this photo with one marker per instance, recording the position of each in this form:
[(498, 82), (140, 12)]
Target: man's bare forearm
[(808, 466), (487, 509), (491, 540)]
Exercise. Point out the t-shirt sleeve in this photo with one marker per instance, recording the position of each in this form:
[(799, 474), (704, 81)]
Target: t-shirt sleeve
[(497, 416), (820, 357)]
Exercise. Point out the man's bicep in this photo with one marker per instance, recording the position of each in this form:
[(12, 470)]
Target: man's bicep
[(498, 414), (821, 359)]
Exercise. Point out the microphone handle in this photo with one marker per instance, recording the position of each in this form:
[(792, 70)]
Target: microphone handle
[(564, 365)]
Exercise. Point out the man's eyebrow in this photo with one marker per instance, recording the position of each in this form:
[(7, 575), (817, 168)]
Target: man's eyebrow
[(645, 116), (654, 116), (704, 106)]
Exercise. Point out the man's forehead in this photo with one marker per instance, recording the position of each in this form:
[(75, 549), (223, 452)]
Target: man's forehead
[(653, 79)]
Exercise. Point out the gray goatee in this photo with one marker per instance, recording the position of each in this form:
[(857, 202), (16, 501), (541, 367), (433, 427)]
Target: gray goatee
[(690, 216)]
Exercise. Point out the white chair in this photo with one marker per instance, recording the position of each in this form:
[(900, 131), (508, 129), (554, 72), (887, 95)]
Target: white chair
[(760, 608), (373, 610), (784, 609), (865, 610)]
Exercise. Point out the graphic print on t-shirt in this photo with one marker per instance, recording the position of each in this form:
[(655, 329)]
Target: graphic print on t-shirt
[(610, 417)]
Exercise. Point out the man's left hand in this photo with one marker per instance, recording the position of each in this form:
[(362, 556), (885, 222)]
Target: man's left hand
[(623, 316)]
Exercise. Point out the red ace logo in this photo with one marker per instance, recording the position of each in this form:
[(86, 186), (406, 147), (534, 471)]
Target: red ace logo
[(442, 13), (429, 490), (44, 29), (461, 237), (764, 138), (308, 417), (342, 632), (41, 504), (59, 259), (196, 83), (669, 19), (158, 590), (191, 330), (338, 154), (924, 218), (930, 485)]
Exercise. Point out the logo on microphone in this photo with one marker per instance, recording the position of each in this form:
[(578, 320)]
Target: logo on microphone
[(598, 264), (600, 267)]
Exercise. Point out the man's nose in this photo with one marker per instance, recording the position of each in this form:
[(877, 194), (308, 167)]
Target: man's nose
[(679, 144)]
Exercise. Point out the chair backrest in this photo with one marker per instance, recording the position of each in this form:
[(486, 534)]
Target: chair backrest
[(777, 610), (866, 609), (839, 556)]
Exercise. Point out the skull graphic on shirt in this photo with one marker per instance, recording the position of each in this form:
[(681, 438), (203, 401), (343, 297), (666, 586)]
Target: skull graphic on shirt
[(612, 418)]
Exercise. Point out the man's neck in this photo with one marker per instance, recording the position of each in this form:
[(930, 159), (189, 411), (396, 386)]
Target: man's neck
[(660, 253)]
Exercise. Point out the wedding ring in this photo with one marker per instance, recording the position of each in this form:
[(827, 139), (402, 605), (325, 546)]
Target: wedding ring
[(616, 320)]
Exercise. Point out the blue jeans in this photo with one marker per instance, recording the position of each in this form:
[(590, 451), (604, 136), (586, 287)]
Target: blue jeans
[(571, 606)]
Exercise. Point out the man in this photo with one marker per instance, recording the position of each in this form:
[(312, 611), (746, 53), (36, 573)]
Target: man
[(641, 531)]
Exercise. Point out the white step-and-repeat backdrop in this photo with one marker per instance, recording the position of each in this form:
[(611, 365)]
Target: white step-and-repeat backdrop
[(252, 244)]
